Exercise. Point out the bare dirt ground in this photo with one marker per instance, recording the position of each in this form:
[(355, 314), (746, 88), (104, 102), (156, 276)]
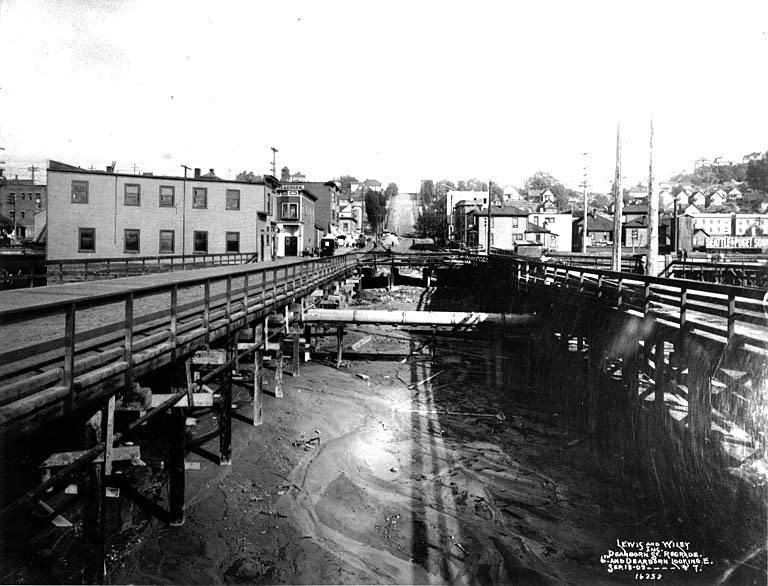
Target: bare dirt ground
[(454, 480)]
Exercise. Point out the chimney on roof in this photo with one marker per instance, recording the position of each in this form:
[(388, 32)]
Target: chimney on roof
[(211, 172), (111, 168), (197, 172)]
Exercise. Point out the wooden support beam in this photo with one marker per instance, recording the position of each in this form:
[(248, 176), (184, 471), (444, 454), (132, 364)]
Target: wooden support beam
[(258, 378), (177, 436), (296, 355), (659, 373), (197, 400), (94, 506), (108, 434), (120, 453), (339, 345), (225, 419), (279, 372)]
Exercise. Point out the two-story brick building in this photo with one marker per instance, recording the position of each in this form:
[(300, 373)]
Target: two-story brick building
[(327, 195), (297, 232), (103, 214), (20, 201)]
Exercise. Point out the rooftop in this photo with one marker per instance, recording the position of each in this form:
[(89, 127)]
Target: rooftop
[(59, 167)]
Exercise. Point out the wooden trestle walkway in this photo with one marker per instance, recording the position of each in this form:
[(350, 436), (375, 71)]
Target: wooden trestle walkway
[(696, 351)]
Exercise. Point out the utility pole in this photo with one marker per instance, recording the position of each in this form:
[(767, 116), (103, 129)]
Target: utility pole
[(184, 212), (584, 233), (618, 204), (32, 169), (274, 165), (652, 256), (488, 232)]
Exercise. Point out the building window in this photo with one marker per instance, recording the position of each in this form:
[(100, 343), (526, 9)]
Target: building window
[(12, 198), (233, 199), (86, 240), (79, 192), (167, 196), (132, 196), (200, 198), (23, 215), (233, 241), (549, 220), (269, 204), (514, 222), (200, 241), (290, 211), (167, 242), (131, 240), (13, 214)]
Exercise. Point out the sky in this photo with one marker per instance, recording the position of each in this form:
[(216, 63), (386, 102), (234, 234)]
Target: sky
[(397, 91)]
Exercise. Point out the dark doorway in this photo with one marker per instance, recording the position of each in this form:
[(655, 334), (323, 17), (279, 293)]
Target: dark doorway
[(291, 245), (261, 252)]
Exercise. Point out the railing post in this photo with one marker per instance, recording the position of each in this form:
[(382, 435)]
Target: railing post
[(246, 279), (128, 349), (69, 353), (174, 318), (731, 314), (620, 292), (229, 305), (646, 297), (207, 310)]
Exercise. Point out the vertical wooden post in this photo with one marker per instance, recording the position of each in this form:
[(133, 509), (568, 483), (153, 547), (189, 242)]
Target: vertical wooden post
[(229, 305), (207, 311), (286, 321), (296, 358), (339, 345), (128, 348), (108, 432), (279, 371), (177, 436), (659, 373), (225, 415), (69, 354), (258, 375), (94, 518), (174, 319)]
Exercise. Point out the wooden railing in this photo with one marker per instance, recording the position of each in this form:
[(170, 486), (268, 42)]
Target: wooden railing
[(741, 272), (72, 365), (724, 311), (88, 269)]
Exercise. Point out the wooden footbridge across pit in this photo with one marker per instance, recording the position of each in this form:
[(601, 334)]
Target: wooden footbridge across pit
[(695, 351)]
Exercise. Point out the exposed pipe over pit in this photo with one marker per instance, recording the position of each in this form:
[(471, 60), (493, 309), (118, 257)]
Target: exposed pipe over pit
[(425, 318)]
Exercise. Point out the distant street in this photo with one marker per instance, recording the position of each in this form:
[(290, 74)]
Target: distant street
[(402, 214)]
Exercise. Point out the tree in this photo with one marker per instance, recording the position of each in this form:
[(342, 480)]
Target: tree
[(375, 209), (346, 182), (757, 173), (427, 192), (442, 188), (541, 180), (248, 177), (285, 175), (472, 185), (391, 190)]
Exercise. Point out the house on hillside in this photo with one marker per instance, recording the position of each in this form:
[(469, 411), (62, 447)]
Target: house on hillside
[(599, 231), (735, 194), (716, 198), (557, 223), (698, 199), (508, 225), (541, 235)]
